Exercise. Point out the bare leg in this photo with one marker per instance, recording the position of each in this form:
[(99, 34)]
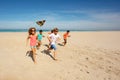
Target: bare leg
[(65, 41), (48, 50), (54, 53), (34, 54), (38, 45)]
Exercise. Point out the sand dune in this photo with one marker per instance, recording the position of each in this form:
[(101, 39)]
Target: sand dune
[(87, 56)]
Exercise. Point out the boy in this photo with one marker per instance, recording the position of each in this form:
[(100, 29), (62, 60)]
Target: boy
[(53, 38), (65, 37), (39, 37)]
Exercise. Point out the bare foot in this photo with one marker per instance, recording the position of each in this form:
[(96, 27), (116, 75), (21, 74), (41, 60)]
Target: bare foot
[(38, 48), (35, 62), (56, 59)]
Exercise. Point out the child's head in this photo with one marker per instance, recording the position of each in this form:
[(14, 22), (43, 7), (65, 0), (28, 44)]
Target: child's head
[(32, 31), (55, 30), (68, 31), (40, 31), (52, 31)]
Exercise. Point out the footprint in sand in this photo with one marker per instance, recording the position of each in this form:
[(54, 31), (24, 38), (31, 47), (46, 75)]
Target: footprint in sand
[(87, 58), (117, 53), (81, 70), (87, 72), (68, 72), (110, 66), (77, 78), (109, 78), (86, 66)]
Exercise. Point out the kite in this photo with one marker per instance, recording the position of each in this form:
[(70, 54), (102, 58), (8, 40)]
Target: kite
[(40, 23)]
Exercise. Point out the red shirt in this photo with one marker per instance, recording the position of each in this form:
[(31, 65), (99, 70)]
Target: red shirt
[(33, 40), (65, 35)]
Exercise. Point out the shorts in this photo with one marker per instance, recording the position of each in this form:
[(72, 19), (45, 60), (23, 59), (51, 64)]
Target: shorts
[(53, 46), (39, 40), (32, 46)]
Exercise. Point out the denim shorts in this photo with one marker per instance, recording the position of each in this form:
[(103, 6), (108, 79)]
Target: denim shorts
[(32, 46), (53, 46)]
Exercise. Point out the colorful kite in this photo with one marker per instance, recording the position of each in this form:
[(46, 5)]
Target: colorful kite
[(41, 23)]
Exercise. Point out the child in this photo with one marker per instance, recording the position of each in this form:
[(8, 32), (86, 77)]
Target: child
[(53, 38), (39, 37), (65, 37), (50, 34), (33, 39)]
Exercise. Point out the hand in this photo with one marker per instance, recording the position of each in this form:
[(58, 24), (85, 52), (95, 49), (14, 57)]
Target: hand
[(69, 36)]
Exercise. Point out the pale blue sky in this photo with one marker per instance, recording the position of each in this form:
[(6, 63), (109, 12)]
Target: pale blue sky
[(64, 14)]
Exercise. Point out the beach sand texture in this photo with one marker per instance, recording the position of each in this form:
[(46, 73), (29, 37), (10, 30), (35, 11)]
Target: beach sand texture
[(87, 56)]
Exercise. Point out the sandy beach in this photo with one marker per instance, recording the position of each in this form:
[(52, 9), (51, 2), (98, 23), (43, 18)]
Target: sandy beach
[(87, 56)]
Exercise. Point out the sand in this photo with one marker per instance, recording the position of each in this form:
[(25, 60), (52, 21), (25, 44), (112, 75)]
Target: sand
[(87, 56)]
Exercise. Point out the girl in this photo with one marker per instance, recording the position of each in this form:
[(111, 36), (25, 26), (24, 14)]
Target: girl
[(33, 39)]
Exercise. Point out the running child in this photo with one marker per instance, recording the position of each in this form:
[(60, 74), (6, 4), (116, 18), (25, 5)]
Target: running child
[(65, 36), (39, 37), (53, 38), (50, 34), (33, 39)]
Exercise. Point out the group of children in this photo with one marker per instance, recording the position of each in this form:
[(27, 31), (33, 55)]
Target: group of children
[(53, 37)]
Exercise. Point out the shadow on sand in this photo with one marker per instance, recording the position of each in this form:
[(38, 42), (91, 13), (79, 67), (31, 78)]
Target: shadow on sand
[(46, 45), (60, 44), (30, 54), (47, 53)]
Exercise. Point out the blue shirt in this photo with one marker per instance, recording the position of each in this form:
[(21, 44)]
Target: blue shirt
[(40, 36)]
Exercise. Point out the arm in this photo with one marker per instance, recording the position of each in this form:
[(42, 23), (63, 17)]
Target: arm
[(49, 38), (64, 36), (58, 39), (43, 36), (27, 40), (69, 35), (36, 37)]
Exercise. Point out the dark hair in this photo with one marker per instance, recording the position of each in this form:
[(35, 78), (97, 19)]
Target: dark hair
[(52, 31), (30, 30), (40, 30), (55, 29), (68, 30)]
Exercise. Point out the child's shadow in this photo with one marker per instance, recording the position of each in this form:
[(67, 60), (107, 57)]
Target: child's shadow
[(30, 54), (60, 44), (47, 53), (46, 45)]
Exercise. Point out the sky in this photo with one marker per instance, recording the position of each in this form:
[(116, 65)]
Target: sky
[(64, 14)]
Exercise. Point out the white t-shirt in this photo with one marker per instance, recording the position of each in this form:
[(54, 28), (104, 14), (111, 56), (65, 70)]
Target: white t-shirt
[(54, 37)]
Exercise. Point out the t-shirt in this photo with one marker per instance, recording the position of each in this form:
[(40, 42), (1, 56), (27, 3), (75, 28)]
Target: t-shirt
[(40, 36), (54, 37), (65, 35), (33, 40)]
